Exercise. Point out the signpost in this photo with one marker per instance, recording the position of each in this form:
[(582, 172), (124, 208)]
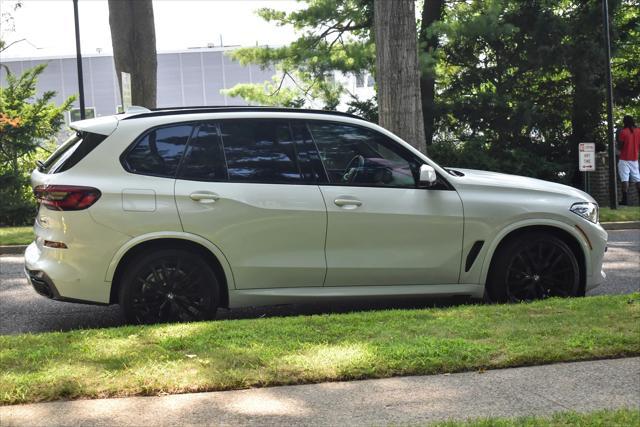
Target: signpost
[(126, 91), (586, 160)]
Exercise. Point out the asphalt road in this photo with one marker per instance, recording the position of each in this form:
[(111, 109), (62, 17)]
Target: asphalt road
[(22, 310)]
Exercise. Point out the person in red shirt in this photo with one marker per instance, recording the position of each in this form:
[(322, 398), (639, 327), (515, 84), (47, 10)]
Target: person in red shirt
[(629, 144)]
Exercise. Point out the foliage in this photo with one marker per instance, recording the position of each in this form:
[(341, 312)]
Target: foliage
[(625, 63), (335, 36), (262, 352), (518, 84), (365, 108), (27, 122), (294, 91), (530, 76)]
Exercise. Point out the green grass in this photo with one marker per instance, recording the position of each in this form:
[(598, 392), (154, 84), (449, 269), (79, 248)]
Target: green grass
[(16, 235), (623, 213), (604, 418), (234, 354)]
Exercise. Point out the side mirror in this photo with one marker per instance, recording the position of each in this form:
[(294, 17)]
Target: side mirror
[(428, 176)]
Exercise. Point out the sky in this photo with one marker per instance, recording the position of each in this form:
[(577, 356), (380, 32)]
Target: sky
[(48, 26)]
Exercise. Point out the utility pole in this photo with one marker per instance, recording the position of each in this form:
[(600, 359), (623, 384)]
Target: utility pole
[(79, 60), (613, 183)]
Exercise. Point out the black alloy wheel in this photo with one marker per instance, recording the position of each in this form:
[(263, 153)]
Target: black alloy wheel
[(169, 285), (533, 266)]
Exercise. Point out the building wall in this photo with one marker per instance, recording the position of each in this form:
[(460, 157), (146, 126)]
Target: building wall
[(188, 78)]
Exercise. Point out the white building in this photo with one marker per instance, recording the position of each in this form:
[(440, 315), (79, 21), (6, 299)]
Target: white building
[(190, 77)]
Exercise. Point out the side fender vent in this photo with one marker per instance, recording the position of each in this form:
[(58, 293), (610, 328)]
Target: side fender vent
[(473, 254)]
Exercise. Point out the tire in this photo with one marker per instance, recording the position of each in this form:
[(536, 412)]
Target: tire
[(168, 285), (530, 266)]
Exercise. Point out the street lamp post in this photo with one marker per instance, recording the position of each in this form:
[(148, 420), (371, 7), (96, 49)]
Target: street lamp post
[(613, 184), (79, 60)]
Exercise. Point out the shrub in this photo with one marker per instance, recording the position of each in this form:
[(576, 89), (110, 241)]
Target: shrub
[(27, 122)]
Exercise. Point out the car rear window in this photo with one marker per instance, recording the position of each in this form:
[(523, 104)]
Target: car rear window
[(71, 152)]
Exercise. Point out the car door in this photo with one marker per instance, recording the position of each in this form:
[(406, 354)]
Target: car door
[(383, 229), (240, 186)]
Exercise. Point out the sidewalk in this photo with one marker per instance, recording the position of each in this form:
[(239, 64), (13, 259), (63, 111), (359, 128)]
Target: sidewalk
[(541, 390)]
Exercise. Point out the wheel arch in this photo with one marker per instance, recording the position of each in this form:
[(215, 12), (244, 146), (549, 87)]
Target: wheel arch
[(197, 244), (570, 235)]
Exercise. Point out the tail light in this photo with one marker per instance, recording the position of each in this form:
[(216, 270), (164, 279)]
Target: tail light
[(66, 197)]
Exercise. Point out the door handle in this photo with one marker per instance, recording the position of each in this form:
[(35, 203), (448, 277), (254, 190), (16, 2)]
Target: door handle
[(206, 197), (347, 203)]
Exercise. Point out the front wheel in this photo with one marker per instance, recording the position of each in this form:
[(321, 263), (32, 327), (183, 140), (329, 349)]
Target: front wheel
[(533, 266), (168, 285)]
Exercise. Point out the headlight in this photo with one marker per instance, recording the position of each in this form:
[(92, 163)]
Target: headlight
[(586, 210)]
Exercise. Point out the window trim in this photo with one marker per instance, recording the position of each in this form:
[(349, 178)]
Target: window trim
[(406, 154), (123, 156)]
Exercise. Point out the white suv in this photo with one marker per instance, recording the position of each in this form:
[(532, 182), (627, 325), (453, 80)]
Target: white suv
[(173, 213)]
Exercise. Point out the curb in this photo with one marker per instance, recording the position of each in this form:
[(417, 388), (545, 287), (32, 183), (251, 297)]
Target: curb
[(13, 249), (621, 225)]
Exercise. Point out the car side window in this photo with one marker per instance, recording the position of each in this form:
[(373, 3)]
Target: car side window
[(260, 151), (158, 152), (204, 157), (354, 155)]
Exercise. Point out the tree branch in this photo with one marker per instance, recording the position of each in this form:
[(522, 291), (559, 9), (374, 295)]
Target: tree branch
[(11, 44)]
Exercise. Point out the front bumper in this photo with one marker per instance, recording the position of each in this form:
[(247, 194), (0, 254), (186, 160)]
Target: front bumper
[(597, 239)]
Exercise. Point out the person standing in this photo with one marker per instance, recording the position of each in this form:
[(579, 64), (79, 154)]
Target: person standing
[(629, 144)]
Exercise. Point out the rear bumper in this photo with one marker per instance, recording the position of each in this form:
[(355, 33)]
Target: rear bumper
[(44, 286), (58, 274), (41, 283)]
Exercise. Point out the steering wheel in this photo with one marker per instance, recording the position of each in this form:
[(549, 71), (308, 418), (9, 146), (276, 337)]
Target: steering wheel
[(351, 171)]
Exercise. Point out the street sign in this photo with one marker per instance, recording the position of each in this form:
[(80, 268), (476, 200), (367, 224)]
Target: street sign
[(587, 157), (126, 91)]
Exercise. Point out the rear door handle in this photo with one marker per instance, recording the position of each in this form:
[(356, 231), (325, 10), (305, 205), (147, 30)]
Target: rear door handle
[(347, 202), (206, 197)]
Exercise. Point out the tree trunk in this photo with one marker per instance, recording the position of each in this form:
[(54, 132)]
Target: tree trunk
[(431, 12), (397, 70), (133, 38)]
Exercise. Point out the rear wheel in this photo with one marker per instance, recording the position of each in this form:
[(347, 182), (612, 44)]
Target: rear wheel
[(533, 266), (168, 285)]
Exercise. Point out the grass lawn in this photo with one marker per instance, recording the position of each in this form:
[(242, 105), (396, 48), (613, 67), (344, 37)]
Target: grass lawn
[(16, 235), (234, 354), (608, 418), (623, 213)]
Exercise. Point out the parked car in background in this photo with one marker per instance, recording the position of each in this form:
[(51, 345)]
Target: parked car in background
[(174, 213)]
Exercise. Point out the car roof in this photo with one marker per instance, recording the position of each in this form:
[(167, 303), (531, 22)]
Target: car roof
[(105, 125), (138, 112)]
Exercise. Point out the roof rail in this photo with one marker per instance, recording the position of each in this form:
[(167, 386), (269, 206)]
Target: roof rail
[(167, 111)]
